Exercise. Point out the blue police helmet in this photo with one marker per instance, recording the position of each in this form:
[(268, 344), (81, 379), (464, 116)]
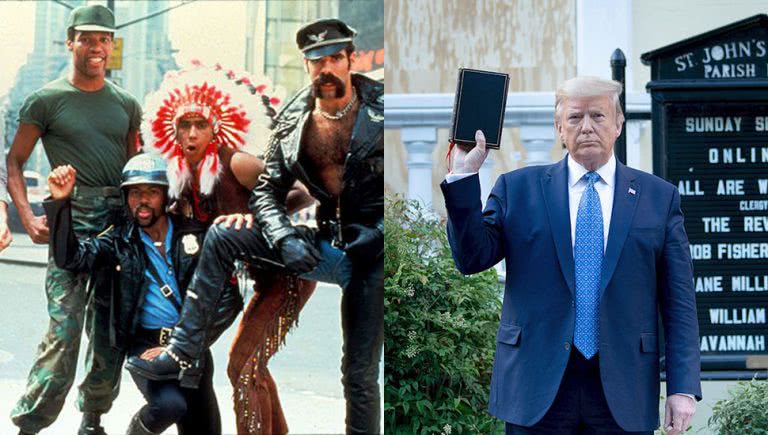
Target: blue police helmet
[(145, 169)]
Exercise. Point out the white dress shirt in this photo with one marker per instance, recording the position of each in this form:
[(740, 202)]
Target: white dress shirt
[(604, 186)]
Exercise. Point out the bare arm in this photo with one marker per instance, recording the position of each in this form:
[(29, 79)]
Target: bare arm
[(22, 146), (247, 168)]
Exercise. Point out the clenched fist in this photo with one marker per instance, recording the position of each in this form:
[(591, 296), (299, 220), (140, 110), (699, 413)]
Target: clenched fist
[(61, 181)]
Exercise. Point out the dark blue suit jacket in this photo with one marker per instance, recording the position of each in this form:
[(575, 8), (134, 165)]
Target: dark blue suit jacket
[(647, 270)]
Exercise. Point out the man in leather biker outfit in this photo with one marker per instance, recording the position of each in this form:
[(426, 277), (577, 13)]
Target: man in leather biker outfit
[(331, 138)]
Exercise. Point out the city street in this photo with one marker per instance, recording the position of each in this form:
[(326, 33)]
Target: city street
[(306, 370)]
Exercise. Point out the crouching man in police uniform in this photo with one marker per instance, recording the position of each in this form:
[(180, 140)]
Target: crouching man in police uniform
[(153, 256)]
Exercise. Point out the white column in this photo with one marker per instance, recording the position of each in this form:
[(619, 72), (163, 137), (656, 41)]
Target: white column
[(419, 143), (594, 20), (537, 140)]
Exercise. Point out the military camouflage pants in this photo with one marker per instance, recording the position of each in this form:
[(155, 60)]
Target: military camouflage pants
[(71, 302)]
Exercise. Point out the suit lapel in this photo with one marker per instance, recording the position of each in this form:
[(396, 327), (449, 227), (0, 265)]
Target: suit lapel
[(624, 205), (554, 185)]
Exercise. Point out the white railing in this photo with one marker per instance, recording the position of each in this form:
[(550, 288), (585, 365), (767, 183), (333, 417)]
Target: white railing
[(419, 116)]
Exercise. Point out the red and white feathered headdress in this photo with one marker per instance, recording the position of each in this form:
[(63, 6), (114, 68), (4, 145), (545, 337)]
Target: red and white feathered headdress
[(239, 106)]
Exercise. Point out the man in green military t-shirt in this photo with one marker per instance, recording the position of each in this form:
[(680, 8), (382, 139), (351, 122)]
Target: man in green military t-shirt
[(89, 123)]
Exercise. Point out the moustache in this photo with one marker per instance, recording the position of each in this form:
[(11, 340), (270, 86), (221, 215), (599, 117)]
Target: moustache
[(327, 78)]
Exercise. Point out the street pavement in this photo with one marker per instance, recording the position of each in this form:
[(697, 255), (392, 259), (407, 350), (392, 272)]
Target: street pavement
[(306, 369)]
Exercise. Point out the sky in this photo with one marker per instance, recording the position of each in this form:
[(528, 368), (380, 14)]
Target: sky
[(199, 30)]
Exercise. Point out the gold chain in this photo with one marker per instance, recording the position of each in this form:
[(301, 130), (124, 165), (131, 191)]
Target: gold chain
[(340, 114)]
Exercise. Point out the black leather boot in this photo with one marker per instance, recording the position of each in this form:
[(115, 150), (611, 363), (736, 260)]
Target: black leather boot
[(91, 424), (136, 427), (168, 365), (181, 358), (171, 364), (227, 309)]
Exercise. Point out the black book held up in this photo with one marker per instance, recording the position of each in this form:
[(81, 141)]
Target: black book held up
[(481, 97)]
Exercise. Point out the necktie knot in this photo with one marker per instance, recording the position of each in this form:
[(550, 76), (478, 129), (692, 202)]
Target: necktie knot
[(592, 177)]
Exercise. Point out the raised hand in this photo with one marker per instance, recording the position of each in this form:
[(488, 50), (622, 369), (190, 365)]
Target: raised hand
[(61, 181), (463, 162)]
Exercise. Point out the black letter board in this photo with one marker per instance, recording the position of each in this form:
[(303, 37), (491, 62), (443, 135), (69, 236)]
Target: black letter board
[(710, 139)]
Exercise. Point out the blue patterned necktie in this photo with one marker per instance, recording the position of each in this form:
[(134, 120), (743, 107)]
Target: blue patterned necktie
[(588, 256)]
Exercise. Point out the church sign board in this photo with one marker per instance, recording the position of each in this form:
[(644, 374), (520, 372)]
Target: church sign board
[(710, 138)]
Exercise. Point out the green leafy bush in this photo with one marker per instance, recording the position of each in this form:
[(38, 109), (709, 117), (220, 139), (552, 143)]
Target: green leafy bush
[(440, 330), (745, 412)]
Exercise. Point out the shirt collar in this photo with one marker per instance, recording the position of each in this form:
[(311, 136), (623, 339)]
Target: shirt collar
[(607, 172)]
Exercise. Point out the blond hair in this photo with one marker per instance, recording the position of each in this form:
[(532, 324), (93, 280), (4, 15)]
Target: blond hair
[(587, 86)]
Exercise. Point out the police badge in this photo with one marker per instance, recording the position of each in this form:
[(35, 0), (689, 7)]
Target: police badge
[(191, 247)]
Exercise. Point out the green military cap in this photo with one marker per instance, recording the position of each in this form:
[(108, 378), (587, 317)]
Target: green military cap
[(324, 37), (92, 18)]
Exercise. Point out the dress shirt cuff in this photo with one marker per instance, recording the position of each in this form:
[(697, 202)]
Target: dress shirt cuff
[(450, 178), (686, 395)]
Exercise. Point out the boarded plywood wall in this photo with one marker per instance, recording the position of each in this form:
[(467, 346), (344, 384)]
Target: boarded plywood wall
[(426, 41)]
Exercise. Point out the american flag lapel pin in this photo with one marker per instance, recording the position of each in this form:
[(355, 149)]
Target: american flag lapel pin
[(632, 191)]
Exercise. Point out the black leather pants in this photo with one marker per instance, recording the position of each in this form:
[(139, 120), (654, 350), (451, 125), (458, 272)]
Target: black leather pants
[(362, 313), (362, 322)]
